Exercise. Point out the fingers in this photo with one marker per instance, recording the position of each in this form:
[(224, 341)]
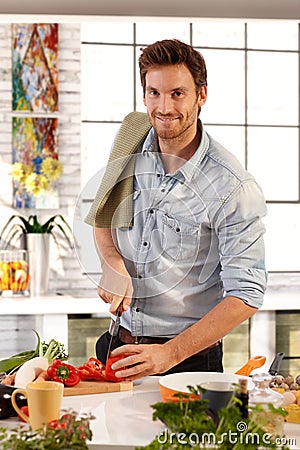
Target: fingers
[(104, 295), (116, 303), (140, 360)]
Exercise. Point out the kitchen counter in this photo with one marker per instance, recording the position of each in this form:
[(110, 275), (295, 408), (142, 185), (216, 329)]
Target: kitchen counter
[(51, 312), (123, 420), (51, 315)]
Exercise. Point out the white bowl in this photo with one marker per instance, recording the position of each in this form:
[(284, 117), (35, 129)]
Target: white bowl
[(178, 382)]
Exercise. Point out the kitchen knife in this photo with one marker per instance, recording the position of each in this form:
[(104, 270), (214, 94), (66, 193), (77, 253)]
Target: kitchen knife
[(114, 334), (274, 367)]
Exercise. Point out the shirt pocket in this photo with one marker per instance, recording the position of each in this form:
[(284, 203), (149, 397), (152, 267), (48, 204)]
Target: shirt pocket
[(181, 238)]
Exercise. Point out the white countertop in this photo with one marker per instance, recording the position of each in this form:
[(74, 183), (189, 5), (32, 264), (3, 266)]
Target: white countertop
[(53, 304), (279, 298), (123, 420)]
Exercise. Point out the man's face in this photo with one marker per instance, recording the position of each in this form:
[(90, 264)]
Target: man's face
[(172, 101)]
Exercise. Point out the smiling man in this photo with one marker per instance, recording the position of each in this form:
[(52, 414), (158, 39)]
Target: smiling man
[(191, 266)]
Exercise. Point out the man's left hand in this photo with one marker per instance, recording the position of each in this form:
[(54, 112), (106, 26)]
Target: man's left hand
[(142, 360)]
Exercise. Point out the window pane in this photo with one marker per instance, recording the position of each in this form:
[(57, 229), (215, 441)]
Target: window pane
[(149, 32), (279, 35), (282, 237), (226, 86), (138, 89), (219, 34), (232, 138), (273, 80), (107, 82), (85, 244), (107, 31), (96, 142), (273, 160)]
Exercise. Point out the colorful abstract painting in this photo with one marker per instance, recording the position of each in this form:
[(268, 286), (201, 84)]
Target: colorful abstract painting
[(35, 67), (36, 167)]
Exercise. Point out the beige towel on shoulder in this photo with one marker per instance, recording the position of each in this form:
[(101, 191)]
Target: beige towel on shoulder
[(113, 203)]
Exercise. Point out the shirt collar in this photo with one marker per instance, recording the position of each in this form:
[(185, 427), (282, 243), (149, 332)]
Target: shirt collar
[(189, 168)]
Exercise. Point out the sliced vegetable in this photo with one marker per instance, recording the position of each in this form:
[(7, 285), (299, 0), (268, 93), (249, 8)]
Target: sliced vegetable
[(63, 373), (92, 370), (109, 372), (30, 370)]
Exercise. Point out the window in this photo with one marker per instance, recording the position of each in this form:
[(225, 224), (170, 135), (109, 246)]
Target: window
[(252, 106)]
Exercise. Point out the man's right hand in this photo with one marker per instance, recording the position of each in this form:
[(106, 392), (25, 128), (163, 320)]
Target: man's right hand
[(115, 287)]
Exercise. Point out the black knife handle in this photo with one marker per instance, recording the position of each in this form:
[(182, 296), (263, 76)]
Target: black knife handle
[(274, 367)]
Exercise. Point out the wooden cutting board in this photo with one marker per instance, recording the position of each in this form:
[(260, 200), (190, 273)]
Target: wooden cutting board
[(97, 387)]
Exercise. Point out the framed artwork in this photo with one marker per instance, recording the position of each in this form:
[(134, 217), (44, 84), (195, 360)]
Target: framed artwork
[(36, 167), (35, 67)]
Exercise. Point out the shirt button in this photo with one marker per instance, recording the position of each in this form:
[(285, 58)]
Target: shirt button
[(137, 309), (163, 190), (151, 211), (140, 276), (145, 244)]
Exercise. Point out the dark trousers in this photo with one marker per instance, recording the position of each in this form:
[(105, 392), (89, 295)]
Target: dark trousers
[(205, 361)]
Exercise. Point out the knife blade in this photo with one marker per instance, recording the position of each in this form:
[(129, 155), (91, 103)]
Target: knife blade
[(274, 367), (114, 334)]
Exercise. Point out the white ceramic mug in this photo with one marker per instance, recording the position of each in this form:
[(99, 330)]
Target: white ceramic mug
[(44, 402)]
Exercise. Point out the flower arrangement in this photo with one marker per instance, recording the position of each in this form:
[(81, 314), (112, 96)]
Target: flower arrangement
[(37, 177)]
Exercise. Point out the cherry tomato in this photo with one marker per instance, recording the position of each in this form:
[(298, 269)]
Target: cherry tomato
[(53, 423), (24, 410)]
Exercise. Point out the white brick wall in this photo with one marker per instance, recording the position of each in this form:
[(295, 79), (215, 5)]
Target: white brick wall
[(65, 271)]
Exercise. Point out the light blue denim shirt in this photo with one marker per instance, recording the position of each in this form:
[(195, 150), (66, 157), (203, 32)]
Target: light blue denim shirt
[(197, 237)]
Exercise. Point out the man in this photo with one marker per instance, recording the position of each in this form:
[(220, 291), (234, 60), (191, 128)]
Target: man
[(191, 266)]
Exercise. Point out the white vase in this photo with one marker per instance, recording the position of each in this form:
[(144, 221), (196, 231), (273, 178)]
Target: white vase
[(38, 247)]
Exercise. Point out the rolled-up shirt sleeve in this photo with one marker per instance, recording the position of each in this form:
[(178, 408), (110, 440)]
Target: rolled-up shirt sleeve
[(241, 244)]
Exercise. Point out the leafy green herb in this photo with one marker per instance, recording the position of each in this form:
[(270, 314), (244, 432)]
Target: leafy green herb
[(189, 424), (69, 432), (54, 350)]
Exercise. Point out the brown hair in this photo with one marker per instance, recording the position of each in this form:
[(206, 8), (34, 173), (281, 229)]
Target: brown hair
[(170, 52)]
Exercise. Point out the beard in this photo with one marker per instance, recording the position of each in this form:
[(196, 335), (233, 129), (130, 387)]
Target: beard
[(174, 126)]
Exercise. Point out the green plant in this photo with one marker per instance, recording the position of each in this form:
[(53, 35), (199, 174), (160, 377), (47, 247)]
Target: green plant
[(189, 424), (19, 225), (71, 431)]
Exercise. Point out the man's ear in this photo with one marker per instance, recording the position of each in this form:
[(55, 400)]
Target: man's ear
[(202, 96)]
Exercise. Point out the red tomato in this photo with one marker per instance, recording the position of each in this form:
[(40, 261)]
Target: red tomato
[(53, 423), (58, 424), (24, 410), (109, 372)]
